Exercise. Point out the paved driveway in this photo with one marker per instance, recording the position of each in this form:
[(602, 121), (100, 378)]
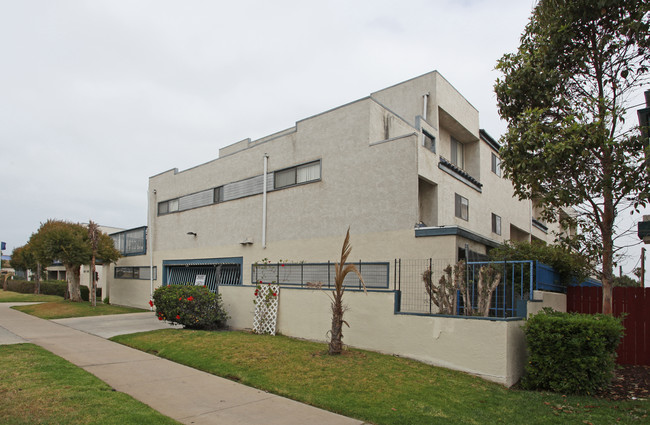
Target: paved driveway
[(116, 324)]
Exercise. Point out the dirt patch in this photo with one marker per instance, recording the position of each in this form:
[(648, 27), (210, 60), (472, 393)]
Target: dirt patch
[(629, 383)]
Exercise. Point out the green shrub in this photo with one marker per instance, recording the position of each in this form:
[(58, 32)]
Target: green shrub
[(571, 266), (194, 307), (48, 287), (570, 352)]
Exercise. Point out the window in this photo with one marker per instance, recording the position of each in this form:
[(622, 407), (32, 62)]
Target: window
[(288, 177), (167, 207), (131, 242), (457, 154), (195, 200), (496, 224), (462, 207), (429, 141), (496, 165), (163, 208), (285, 178), (297, 175), (139, 273), (308, 172)]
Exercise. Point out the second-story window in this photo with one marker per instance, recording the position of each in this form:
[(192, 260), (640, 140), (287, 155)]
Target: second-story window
[(297, 175), (457, 154), (462, 207), (496, 224)]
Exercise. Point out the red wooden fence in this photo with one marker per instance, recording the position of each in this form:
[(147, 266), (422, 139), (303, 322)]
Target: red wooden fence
[(634, 302)]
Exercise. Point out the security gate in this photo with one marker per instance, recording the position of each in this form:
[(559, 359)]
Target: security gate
[(213, 272)]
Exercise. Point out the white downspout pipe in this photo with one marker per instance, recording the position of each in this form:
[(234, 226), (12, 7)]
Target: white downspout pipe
[(266, 168), (150, 240), (530, 221), (425, 105)]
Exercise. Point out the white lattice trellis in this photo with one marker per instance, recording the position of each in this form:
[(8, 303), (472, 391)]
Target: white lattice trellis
[(266, 309)]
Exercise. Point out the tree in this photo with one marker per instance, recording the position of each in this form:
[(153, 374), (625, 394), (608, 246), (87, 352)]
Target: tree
[(572, 266), (564, 94), (23, 258), (70, 244), (625, 281), (341, 270)]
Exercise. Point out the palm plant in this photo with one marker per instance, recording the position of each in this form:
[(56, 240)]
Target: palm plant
[(338, 309)]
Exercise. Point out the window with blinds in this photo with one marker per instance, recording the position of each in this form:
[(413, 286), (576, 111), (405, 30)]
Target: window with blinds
[(138, 273), (300, 174), (461, 207), (297, 175), (457, 154)]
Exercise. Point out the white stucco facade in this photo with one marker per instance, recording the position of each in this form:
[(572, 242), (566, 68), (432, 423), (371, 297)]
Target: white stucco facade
[(377, 174), (407, 169)]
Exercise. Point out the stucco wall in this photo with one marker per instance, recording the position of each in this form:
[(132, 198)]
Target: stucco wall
[(130, 292), (372, 162), (543, 299), (492, 349)]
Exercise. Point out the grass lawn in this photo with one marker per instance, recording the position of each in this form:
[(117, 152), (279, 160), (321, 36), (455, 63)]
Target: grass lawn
[(16, 297), (377, 388), (38, 387), (62, 309)]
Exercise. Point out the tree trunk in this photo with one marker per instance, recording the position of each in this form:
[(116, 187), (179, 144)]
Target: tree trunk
[(607, 273), (607, 233), (74, 282), (37, 287), (336, 339), (93, 286)]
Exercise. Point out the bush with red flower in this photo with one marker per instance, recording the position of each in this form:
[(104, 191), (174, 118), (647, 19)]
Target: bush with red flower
[(194, 307)]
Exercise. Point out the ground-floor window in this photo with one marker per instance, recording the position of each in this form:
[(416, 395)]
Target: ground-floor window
[(208, 272), (142, 273)]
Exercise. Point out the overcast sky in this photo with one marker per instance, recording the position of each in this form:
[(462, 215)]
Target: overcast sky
[(97, 96)]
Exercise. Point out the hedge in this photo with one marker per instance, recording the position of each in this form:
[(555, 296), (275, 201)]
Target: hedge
[(194, 307), (48, 287), (571, 352)]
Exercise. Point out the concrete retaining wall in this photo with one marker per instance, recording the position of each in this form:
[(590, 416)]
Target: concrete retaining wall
[(493, 349)]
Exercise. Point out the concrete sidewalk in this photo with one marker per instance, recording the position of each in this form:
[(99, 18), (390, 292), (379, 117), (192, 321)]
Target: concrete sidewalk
[(180, 392)]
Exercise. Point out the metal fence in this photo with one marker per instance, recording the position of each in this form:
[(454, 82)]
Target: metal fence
[(408, 278), (375, 274), (516, 287), (518, 280)]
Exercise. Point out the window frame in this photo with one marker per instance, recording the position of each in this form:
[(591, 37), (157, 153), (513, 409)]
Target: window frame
[(426, 136), (461, 205), (496, 224), (496, 164), (131, 242), (133, 272), (456, 148), (218, 195), (232, 191), (294, 171)]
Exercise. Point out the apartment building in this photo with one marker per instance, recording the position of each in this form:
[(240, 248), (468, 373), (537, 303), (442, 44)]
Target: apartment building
[(407, 169)]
